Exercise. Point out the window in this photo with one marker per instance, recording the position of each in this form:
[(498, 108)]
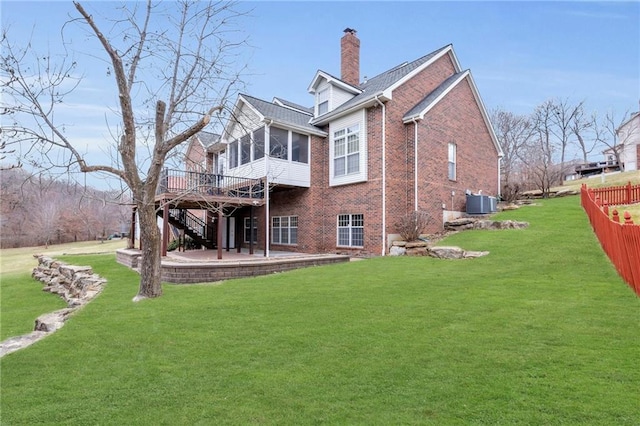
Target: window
[(346, 151), (247, 230), (278, 142), (284, 230), (351, 230), (299, 148), (452, 161), (233, 155), (245, 149), (258, 143), (323, 101)]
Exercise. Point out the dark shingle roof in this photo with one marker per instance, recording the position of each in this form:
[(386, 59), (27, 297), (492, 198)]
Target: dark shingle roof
[(431, 97), (280, 114), (294, 105), (207, 138), (381, 82)]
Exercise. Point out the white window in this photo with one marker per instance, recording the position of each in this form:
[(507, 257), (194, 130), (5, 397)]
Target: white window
[(452, 161), (248, 232), (284, 230), (323, 101), (346, 151), (351, 230)]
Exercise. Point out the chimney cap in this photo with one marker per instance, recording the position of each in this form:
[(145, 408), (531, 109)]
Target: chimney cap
[(350, 30)]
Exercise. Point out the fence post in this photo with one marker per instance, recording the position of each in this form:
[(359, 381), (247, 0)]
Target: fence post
[(627, 218), (605, 209), (628, 193), (616, 216)]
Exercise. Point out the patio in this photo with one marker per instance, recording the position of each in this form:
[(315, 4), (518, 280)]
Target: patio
[(199, 266)]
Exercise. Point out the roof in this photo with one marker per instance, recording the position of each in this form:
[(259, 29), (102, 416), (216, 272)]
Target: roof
[(293, 105), (388, 80), (629, 120), (282, 115), (422, 107), (207, 138)]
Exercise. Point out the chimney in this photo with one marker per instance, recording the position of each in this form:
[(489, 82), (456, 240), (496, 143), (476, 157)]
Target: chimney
[(350, 57)]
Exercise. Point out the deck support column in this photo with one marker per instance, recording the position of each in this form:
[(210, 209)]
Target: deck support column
[(165, 229), (132, 230), (251, 230), (219, 236)]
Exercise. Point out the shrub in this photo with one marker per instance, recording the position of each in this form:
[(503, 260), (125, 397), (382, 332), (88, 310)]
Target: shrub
[(412, 225)]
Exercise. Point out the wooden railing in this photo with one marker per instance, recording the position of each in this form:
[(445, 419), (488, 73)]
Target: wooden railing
[(619, 240), (181, 181)]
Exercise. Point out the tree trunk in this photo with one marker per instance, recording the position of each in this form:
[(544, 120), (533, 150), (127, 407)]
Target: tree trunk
[(150, 274)]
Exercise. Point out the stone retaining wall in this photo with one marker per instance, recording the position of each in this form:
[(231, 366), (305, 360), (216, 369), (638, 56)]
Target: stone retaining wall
[(197, 272)]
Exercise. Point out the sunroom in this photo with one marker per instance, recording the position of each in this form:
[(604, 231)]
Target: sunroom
[(270, 140)]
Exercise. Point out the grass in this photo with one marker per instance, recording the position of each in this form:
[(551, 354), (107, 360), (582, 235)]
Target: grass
[(541, 331), (21, 298)]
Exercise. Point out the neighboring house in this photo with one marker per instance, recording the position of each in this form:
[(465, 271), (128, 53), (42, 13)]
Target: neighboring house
[(343, 172), (629, 139)]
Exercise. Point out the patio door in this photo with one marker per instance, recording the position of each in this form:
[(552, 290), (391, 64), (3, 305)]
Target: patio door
[(229, 224)]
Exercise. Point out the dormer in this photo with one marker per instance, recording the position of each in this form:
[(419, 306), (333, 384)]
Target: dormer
[(330, 92)]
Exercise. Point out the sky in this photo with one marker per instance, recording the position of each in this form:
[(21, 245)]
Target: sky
[(519, 53)]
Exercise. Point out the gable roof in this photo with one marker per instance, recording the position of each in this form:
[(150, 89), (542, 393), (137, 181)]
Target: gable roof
[(381, 86), (331, 79), (422, 108), (207, 138), (632, 116), (285, 116)]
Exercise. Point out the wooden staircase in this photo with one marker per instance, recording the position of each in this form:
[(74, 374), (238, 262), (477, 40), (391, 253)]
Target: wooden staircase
[(201, 232)]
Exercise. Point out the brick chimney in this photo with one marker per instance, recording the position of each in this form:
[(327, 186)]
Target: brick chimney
[(350, 57)]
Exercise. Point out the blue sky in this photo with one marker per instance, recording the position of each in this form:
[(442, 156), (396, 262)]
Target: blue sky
[(520, 53)]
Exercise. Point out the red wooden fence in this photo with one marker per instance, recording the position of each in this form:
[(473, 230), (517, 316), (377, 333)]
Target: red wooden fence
[(617, 195), (620, 240)]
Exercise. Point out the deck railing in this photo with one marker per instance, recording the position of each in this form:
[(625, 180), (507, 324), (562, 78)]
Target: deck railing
[(619, 240), (185, 182)]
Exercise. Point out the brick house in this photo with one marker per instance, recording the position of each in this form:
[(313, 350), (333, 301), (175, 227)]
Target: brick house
[(341, 173)]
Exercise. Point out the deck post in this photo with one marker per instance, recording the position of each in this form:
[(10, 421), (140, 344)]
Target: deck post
[(219, 236), (165, 229), (250, 229), (132, 229)]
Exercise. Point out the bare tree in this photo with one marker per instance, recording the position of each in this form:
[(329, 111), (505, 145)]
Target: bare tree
[(166, 64), (582, 127), (562, 118), (514, 132), (540, 153), (606, 132)]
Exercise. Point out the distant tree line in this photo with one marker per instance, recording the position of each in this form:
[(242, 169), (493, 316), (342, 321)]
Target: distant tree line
[(541, 148), (37, 210)]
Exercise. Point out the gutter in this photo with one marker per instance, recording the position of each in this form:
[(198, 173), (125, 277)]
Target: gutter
[(384, 176)]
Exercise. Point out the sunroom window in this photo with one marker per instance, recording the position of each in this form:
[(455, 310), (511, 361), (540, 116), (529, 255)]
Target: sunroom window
[(258, 143), (278, 142), (299, 148)]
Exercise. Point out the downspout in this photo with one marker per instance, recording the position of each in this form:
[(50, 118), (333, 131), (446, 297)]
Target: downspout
[(267, 154), (499, 178), (384, 177), (415, 164)]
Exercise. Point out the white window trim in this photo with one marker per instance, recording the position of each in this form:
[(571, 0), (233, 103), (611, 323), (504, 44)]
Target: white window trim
[(288, 227), (452, 159), (359, 117), (350, 227)]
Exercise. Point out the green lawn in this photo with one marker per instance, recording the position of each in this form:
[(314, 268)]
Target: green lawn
[(541, 331)]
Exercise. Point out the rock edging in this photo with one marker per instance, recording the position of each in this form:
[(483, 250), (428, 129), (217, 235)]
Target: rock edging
[(76, 285)]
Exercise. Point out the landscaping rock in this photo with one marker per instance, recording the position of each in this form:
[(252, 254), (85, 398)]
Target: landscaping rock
[(397, 251), (77, 285), (446, 252)]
